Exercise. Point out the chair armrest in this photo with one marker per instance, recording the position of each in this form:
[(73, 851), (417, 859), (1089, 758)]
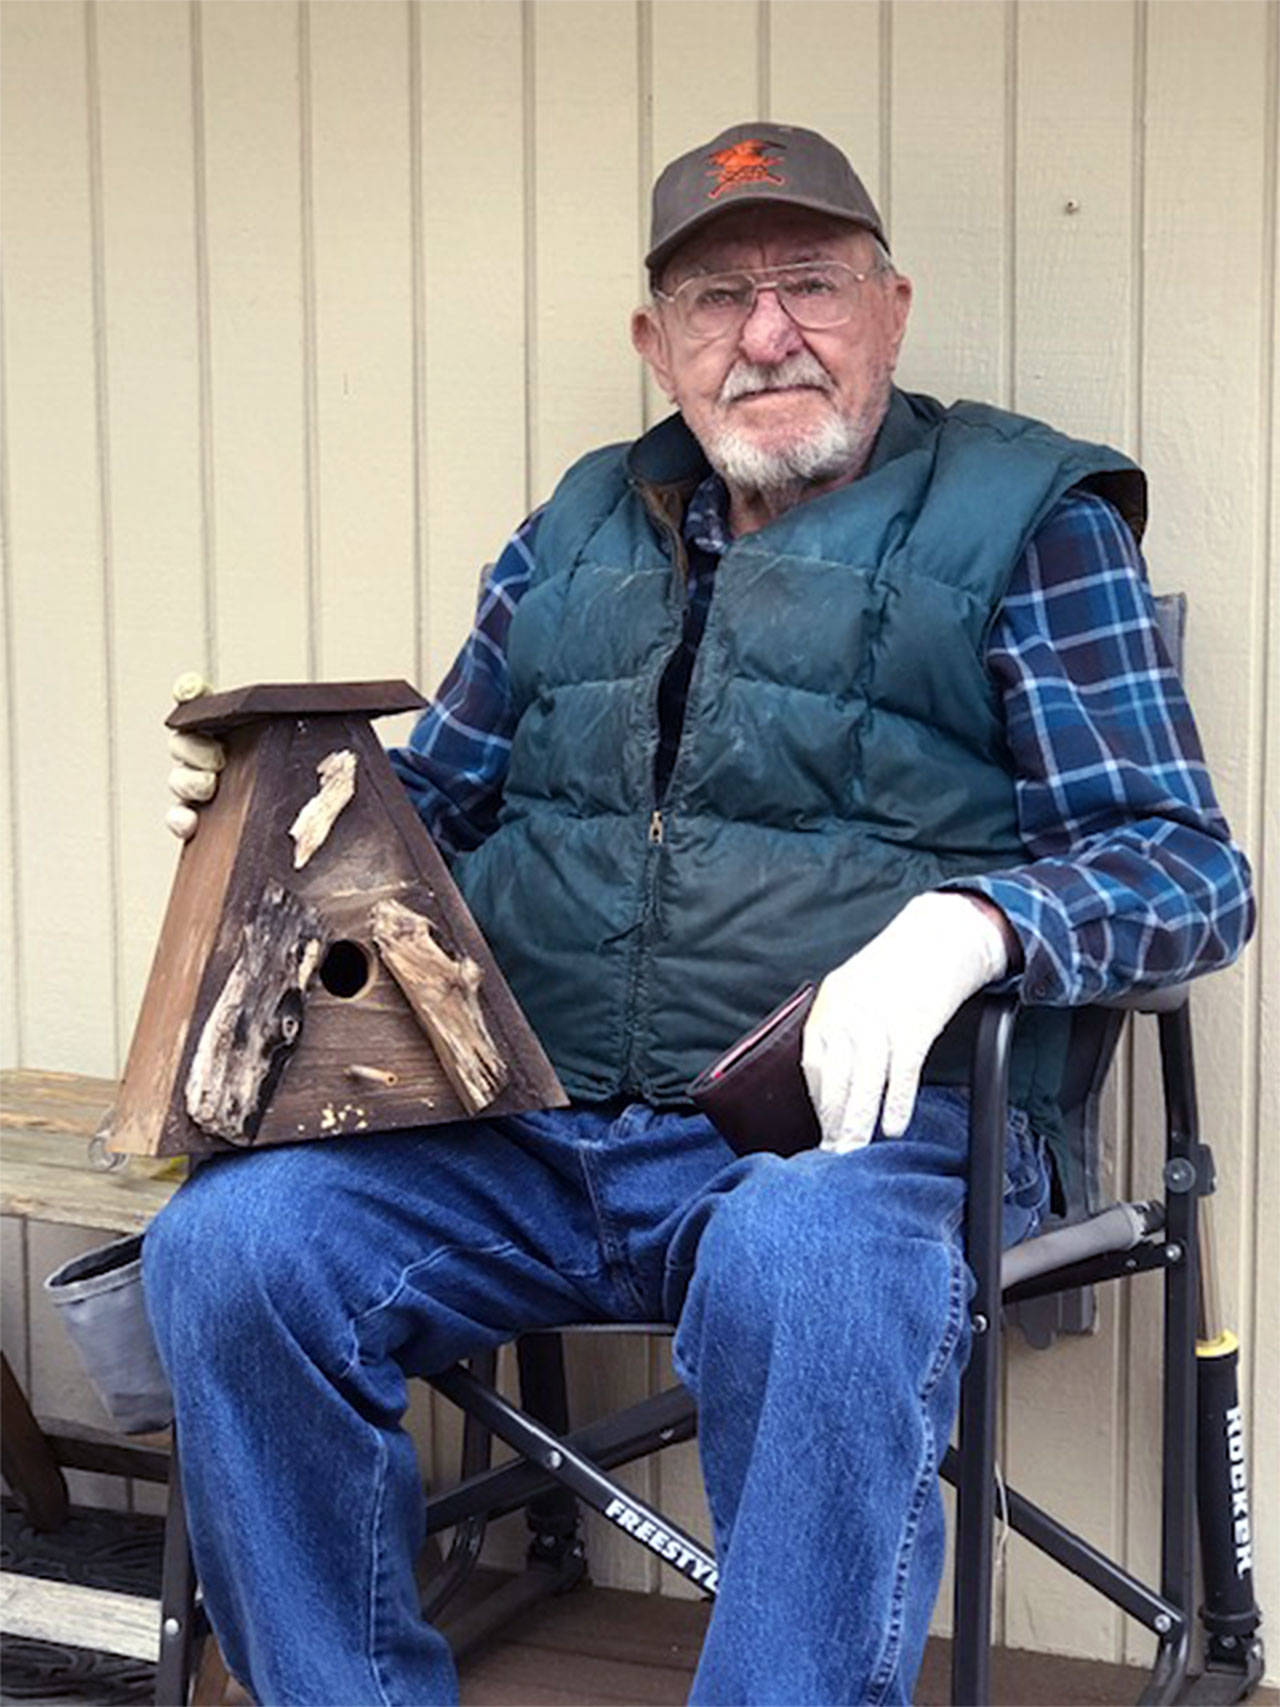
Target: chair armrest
[(1165, 1001)]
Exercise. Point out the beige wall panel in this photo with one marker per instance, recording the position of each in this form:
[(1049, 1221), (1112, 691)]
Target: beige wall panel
[(1074, 216), (607, 1372), (677, 1480), (586, 385), (10, 902), (506, 1542), (60, 686), (360, 173), (1064, 1450), (475, 486), (436, 1426), (253, 198), (1072, 364), (825, 71), (1202, 336), (151, 341), (947, 175), (685, 106)]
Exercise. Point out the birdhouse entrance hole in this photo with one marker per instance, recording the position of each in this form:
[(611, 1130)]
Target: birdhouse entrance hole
[(345, 969)]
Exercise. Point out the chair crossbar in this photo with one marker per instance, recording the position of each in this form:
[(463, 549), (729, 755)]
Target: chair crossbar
[(1078, 1556), (1156, 1252), (1118, 1228), (624, 1509), (665, 1419)]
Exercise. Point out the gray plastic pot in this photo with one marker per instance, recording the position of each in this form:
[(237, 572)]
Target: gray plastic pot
[(99, 1297)]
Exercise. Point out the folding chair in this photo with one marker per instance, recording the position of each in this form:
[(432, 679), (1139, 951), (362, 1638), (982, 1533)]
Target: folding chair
[(1046, 1282)]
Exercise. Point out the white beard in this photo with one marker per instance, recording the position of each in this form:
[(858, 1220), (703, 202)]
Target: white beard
[(836, 446), (829, 450)]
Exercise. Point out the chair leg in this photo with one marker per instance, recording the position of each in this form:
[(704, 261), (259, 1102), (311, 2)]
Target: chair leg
[(178, 1615), (556, 1560), (553, 1518), (975, 1506), (468, 1537), (29, 1465)]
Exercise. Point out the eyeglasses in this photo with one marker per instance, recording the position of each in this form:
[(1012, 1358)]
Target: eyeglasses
[(816, 294)]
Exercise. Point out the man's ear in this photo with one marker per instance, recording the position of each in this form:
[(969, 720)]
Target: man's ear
[(649, 338), (902, 294)]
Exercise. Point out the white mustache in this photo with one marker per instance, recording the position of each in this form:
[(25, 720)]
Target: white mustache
[(745, 378)]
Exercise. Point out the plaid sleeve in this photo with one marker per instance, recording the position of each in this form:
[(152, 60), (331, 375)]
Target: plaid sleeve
[(1133, 881), (456, 761)]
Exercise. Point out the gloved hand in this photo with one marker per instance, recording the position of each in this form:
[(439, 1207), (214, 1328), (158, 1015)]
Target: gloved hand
[(198, 761), (876, 1016)]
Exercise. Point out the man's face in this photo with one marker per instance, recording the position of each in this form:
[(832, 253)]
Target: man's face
[(775, 406)]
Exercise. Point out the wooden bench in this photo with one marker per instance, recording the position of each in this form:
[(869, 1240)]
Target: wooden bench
[(47, 1121)]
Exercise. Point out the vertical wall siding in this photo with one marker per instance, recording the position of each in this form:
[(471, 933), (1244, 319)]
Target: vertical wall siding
[(305, 305)]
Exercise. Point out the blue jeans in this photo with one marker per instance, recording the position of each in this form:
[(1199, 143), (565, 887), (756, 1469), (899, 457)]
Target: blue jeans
[(822, 1326)]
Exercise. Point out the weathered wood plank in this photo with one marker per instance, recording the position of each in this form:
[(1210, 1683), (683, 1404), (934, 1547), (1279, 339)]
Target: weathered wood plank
[(40, 1194), (86, 1617), (162, 1039), (47, 1177), (54, 1102), (214, 713)]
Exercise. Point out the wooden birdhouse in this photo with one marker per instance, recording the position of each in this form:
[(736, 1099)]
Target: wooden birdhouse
[(317, 971)]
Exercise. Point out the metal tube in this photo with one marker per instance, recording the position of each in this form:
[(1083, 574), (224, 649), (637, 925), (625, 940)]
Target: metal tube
[(1181, 1302), (623, 1509), (177, 1600), (975, 1509)]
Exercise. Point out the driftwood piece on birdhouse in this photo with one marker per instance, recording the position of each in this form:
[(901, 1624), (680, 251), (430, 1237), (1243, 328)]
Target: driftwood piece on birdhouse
[(257, 1019), (444, 994), (337, 773)]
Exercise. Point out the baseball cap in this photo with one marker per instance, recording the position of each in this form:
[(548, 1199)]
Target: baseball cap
[(750, 164)]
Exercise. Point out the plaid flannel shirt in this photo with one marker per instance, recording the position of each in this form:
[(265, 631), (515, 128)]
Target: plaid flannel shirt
[(1131, 879)]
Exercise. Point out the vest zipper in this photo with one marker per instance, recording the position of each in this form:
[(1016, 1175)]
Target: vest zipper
[(654, 838)]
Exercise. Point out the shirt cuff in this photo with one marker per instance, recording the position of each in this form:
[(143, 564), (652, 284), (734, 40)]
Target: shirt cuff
[(1050, 975)]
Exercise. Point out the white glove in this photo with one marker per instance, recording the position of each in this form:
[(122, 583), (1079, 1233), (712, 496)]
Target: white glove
[(198, 761), (876, 1016)]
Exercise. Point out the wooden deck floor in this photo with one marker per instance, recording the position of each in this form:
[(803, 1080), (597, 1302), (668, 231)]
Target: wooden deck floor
[(596, 1646)]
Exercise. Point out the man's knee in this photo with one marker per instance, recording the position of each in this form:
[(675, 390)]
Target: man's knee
[(230, 1247), (788, 1260)]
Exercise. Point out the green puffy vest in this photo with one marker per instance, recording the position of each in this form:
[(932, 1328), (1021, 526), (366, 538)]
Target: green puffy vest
[(843, 747)]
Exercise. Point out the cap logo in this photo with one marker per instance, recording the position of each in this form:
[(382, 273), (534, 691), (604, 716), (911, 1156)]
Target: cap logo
[(743, 163)]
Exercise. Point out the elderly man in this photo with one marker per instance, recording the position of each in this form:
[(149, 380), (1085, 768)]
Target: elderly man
[(814, 678)]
